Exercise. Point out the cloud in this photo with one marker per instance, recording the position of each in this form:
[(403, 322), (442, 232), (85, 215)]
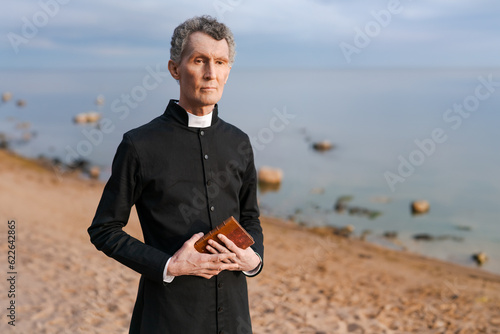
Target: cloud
[(132, 33)]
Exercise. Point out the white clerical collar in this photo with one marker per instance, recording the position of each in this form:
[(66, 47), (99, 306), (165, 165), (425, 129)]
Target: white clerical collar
[(199, 121)]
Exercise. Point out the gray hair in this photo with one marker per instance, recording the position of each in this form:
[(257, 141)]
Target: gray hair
[(205, 24)]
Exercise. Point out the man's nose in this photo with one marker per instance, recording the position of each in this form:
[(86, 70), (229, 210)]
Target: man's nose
[(210, 71)]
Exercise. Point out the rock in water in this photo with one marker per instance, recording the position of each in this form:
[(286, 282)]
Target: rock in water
[(87, 117), (21, 103), (391, 234), (324, 145), (423, 237), (317, 191), (100, 100), (93, 117), (270, 175), (94, 172), (480, 258), (81, 118), (6, 97), (420, 207)]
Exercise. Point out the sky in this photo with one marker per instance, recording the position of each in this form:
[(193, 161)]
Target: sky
[(108, 34)]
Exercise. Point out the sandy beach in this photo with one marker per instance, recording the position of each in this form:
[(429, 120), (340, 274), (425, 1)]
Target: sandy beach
[(312, 282)]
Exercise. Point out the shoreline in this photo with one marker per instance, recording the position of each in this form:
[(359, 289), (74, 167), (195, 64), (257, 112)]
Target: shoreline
[(313, 281)]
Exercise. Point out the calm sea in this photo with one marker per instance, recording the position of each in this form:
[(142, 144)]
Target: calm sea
[(399, 135)]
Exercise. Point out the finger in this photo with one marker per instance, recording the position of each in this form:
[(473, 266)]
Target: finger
[(212, 250), (228, 266), (218, 247), (206, 276), (218, 266), (226, 256), (228, 243), (195, 237), (231, 266), (217, 258)]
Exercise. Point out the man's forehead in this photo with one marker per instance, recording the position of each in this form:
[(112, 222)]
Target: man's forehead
[(199, 42)]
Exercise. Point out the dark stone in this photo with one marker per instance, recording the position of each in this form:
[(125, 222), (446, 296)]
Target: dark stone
[(423, 237), (324, 145), (391, 234)]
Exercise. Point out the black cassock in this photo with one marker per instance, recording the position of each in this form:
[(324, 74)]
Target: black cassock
[(182, 181)]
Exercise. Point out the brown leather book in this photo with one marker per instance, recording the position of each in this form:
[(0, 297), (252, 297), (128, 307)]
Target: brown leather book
[(231, 229)]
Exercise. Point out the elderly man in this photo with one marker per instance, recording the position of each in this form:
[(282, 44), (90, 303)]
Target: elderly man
[(186, 171)]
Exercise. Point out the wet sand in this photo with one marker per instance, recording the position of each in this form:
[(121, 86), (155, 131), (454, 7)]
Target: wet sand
[(312, 282)]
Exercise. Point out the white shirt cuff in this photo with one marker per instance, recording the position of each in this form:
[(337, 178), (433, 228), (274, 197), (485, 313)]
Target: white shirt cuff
[(256, 270), (167, 278)]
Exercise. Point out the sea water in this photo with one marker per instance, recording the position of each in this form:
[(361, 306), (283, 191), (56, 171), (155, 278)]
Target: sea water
[(399, 135)]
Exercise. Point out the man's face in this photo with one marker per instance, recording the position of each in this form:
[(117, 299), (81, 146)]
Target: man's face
[(203, 71)]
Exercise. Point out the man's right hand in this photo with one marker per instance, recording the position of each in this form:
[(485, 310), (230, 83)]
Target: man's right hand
[(188, 261)]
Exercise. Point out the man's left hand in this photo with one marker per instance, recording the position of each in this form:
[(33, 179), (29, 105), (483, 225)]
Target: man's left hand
[(246, 259)]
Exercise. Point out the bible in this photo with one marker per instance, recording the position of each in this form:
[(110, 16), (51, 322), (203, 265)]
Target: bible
[(231, 229)]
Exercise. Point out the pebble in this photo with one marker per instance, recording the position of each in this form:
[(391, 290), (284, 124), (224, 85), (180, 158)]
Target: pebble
[(495, 322)]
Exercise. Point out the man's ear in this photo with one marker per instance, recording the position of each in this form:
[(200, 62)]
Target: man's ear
[(173, 68)]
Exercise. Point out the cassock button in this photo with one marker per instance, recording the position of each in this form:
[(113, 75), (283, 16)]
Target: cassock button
[(202, 132), (220, 309), (206, 156), (212, 208), (219, 285), (209, 182)]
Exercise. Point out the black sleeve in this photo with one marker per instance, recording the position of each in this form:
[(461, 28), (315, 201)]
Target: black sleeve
[(106, 232), (249, 214)]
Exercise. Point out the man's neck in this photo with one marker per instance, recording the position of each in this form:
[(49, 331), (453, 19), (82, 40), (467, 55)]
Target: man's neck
[(198, 111)]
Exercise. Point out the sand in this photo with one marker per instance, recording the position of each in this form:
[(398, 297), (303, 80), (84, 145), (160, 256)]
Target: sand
[(312, 282)]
